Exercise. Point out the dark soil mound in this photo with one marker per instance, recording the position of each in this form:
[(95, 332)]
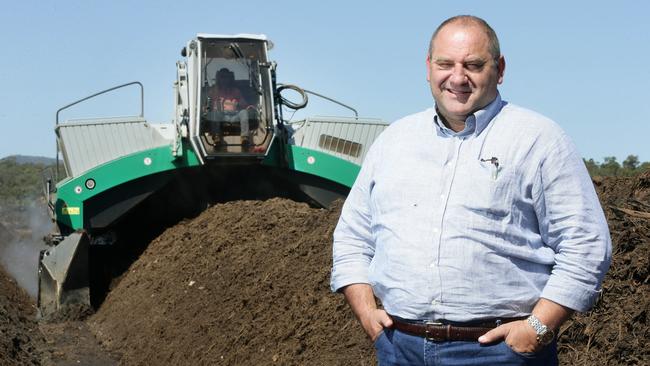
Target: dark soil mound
[(20, 338), (245, 283), (616, 331)]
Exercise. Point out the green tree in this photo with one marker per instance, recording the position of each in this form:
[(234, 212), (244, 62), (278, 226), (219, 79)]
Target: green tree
[(631, 162), (610, 167), (592, 167), (644, 167)]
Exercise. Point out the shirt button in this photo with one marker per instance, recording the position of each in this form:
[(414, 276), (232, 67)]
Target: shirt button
[(434, 302), (432, 265), (442, 196), (435, 229)]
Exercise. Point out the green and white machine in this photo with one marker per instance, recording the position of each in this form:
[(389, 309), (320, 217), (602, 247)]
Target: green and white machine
[(123, 171)]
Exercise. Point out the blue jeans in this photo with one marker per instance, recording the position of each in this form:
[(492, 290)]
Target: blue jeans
[(397, 348)]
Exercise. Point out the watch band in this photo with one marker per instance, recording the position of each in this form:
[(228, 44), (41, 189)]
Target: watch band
[(545, 335)]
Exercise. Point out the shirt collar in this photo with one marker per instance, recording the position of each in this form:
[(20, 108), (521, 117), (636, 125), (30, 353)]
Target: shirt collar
[(475, 123)]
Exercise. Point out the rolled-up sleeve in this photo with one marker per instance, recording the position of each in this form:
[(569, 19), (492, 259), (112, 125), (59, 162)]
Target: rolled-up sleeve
[(572, 222), (354, 247)]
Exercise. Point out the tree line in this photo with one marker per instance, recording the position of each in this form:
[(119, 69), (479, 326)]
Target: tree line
[(20, 183), (610, 167)]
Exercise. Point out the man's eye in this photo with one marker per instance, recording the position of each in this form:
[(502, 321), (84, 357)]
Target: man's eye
[(445, 65), (474, 66)]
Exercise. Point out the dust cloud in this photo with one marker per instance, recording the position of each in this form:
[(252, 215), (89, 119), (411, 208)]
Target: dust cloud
[(22, 243)]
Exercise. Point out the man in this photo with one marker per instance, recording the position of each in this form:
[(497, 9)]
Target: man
[(475, 223), (229, 105)]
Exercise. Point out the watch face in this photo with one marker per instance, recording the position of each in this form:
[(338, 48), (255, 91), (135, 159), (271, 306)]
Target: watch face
[(546, 338)]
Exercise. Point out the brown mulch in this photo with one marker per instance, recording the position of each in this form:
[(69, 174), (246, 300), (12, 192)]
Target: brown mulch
[(244, 283), (616, 331), (20, 339)]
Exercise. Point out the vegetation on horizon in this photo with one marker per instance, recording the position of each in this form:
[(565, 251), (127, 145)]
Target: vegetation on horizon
[(611, 168), (20, 183)]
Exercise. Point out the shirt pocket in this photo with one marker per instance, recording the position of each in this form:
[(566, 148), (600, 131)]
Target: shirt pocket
[(488, 189)]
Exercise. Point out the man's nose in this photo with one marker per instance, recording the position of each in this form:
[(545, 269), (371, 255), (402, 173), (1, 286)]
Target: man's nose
[(458, 75)]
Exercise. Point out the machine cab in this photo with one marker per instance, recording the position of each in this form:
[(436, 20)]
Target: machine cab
[(230, 90)]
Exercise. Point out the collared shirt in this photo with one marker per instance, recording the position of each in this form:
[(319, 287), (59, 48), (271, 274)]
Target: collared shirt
[(476, 224)]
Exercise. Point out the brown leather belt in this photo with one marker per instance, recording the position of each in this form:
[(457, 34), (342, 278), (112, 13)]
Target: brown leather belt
[(440, 331)]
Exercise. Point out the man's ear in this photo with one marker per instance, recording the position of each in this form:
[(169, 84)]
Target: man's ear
[(501, 68), (429, 68)]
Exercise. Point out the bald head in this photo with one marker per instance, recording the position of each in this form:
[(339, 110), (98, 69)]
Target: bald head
[(470, 21)]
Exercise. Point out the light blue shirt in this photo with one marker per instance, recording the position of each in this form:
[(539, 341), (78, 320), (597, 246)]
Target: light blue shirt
[(476, 224)]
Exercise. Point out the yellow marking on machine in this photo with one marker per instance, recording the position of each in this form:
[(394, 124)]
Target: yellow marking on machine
[(70, 211)]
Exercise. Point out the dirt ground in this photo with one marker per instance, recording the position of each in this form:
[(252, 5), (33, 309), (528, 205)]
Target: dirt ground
[(244, 283), (24, 341), (20, 338), (247, 282)]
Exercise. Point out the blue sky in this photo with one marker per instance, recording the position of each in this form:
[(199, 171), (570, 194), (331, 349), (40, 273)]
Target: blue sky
[(582, 63)]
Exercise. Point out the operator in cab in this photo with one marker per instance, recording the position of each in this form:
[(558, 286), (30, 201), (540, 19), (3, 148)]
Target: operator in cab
[(229, 105)]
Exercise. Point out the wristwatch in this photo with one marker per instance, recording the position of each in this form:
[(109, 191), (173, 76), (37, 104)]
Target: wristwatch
[(545, 335)]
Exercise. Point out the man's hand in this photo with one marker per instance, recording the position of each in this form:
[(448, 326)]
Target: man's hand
[(518, 335), (374, 323), (362, 301)]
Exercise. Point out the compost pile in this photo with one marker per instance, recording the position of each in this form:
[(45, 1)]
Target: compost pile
[(20, 339), (247, 282), (244, 283)]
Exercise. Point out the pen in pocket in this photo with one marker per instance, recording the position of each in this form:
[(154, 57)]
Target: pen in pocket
[(494, 162)]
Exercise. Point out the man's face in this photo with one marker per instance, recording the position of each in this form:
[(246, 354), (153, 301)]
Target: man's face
[(225, 79), (461, 71)]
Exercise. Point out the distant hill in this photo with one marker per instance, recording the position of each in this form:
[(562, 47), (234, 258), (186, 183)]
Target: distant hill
[(26, 159), (21, 179)]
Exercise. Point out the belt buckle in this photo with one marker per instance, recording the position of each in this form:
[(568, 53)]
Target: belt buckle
[(429, 337)]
